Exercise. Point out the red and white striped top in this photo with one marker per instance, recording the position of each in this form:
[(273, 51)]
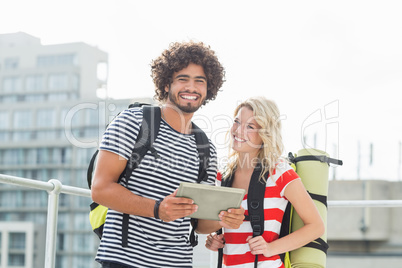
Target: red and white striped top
[(236, 253)]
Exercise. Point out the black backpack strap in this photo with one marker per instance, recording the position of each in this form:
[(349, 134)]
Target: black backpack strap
[(202, 142), (321, 158), (255, 204), (319, 244), (319, 198), (220, 252), (225, 183), (285, 226), (193, 237), (146, 136), (91, 168)]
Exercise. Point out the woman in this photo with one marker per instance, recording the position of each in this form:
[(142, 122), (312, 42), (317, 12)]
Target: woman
[(256, 140)]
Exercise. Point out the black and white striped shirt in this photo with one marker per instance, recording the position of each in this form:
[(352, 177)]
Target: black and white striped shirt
[(151, 242)]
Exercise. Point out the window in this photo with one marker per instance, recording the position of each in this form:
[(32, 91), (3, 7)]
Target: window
[(13, 157), (11, 63), (58, 96), (35, 83), (56, 60), (46, 118), (9, 99), (84, 155), (65, 177), (16, 240), (30, 156), (75, 117), (22, 119), (16, 259), (31, 199), (64, 200), (63, 222), (42, 175), (4, 136), (46, 135), (42, 156), (4, 120), (75, 83), (21, 135), (61, 242), (82, 261), (35, 98), (58, 82), (80, 223), (11, 84), (65, 156), (92, 117), (62, 261)]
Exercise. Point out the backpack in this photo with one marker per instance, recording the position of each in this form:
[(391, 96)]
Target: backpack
[(146, 136), (255, 201)]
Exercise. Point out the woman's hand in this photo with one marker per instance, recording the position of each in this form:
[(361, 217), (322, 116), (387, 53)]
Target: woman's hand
[(258, 245), (232, 219), (214, 242)]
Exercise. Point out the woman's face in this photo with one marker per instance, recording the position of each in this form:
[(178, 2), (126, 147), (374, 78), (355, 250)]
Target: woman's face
[(245, 137)]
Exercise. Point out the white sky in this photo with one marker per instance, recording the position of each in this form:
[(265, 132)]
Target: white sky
[(341, 60)]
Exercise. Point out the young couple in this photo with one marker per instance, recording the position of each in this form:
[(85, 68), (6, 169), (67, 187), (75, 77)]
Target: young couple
[(186, 76)]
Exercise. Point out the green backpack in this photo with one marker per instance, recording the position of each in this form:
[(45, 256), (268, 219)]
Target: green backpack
[(146, 136)]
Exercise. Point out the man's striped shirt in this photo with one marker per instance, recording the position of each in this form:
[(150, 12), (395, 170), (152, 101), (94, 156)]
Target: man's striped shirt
[(151, 242)]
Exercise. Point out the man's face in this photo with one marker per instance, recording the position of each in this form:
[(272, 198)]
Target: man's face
[(188, 89)]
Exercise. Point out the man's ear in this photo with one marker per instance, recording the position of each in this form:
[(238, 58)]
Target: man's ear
[(167, 88)]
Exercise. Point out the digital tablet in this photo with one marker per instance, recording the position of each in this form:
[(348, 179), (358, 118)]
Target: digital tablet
[(211, 200)]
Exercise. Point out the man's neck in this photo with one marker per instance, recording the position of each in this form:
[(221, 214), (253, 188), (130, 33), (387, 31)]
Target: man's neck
[(178, 120)]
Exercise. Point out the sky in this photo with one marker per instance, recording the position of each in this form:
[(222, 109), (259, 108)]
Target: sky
[(333, 67)]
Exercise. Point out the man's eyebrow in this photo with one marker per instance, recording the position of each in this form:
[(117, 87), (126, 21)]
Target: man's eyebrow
[(187, 76)]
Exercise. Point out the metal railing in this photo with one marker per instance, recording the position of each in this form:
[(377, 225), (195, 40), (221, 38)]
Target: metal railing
[(55, 188)]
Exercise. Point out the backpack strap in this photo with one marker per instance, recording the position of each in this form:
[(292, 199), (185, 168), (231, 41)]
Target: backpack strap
[(321, 158), (255, 204), (320, 244), (203, 149), (91, 169), (255, 207), (225, 183), (146, 136)]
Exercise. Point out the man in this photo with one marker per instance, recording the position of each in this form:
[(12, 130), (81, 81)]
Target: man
[(186, 76)]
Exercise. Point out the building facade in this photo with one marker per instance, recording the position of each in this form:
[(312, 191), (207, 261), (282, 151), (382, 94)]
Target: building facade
[(51, 121)]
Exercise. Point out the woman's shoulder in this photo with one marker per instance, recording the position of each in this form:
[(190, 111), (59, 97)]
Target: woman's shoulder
[(283, 173)]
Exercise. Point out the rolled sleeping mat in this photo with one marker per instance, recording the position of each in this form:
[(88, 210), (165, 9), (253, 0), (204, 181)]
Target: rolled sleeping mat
[(314, 175)]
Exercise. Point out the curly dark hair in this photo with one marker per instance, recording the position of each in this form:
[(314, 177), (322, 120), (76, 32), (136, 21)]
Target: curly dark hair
[(177, 57)]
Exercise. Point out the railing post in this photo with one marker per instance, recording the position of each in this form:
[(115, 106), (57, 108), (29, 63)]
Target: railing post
[(51, 227)]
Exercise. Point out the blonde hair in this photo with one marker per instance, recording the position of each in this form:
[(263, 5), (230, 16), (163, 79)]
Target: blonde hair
[(266, 114)]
